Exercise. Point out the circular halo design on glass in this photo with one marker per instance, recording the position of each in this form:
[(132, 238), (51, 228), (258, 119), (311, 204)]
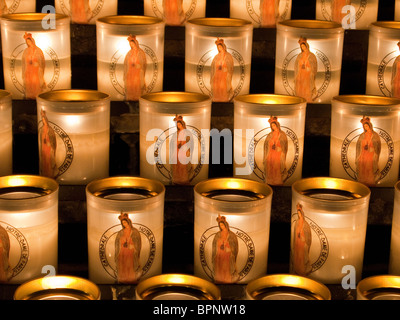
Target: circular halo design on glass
[(64, 5), (159, 13), (13, 7), (327, 14)]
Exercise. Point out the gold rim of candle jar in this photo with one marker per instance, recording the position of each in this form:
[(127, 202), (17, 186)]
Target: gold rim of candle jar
[(175, 97), (285, 282), (367, 100), (73, 95), (220, 22), (378, 283), (353, 190), (54, 285), (130, 20), (270, 99), (196, 287), (312, 25), (31, 17), (385, 26)]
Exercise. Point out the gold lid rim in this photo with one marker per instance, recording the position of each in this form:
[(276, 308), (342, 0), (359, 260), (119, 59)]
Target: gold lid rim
[(311, 24), (286, 99), (48, 185), (220, 22), (175, 97), (378, 282), (127, 20), (31, 16), (74, 95), (389, 25), (367, 100)]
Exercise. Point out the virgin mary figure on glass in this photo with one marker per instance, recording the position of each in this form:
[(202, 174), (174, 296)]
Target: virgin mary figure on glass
[(305, 71), (336, 10), (3, 7), (80, 11), (128, 245), (221, 74), (368, 150), (173, 12), (269, 13), (48, 149), (224, 253), (275, 151), (134, 70), (395, 81), (5, 269), (181, 151)]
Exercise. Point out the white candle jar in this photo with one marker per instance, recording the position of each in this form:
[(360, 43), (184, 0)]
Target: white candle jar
[(130, 56), (6, 136), (379, 287), (309, 59), (125, 220), (397, 10), (218, 57), (175, 286), (328, 228), (175, 12), (231, 229), (86, 11), (269, 138), (352, 14), (365, 140), (286, 287), (28, 227), (16, 6), (58, 288), (175, 137), (74, 135), (262, 13), (383, 68), (23, 39), (394, 259)]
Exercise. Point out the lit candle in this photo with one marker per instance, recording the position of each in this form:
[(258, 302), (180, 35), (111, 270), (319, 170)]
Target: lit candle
[(231, 229), (380, 287), (175, 137), (383, 68), (125, 218), (286, 287), (328, 228), (58, 288), (130, 56), (6, 137), (28, 226), (24, 38), (365, 139), (309, 59), (394, 261), (218, 57), (86, 11), (175, 12), (176, 287), (262, 13), (74, 135), (15, 6), (361, 12), (269, 138)]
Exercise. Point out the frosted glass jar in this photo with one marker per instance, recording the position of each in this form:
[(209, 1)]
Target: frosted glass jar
[(86, 11), (309, 59), (365, 140), (28, 227), (175, 137), (6, 136), (74, 135), (17, 6), (125, 220), (218, 57), (328, 228), (175, 12), (383, 68), (262, 13), (394, 259), (269, 137), (130, 56), (23, 38), (231, 229)]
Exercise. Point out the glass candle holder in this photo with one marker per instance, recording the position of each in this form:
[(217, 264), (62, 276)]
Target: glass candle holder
[(175, 137), (175, 12), (269, 132), (231, 229), (24, 38), (16, 6), (397, 10), (383, 68), (6, 136), (286, 287), (262, 13), (309, 59), (74, 135), (328, 228), (218, 57), (365, 139), (379, 287), (394, 260), (58, 288), (352, 14), (86, 11), (130, 56), (125, 220), (28, 227), (176, 286)]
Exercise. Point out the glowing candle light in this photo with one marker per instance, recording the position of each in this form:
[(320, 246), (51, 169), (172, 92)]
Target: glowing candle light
[(6, 137)]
